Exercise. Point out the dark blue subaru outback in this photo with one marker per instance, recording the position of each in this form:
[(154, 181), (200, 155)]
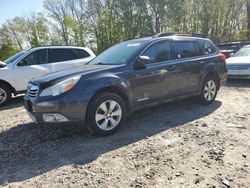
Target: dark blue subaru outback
[(126, 77)]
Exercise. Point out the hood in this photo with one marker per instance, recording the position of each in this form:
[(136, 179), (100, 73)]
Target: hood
[(61, 75), (238, 60)]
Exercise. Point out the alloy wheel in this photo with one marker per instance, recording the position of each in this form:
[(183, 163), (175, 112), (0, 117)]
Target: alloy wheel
[(210, 90), (108, 115), (3, 96)]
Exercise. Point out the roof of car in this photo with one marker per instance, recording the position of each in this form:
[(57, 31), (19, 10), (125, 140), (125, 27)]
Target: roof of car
[(233, 43), (172, 37), (46, 47)]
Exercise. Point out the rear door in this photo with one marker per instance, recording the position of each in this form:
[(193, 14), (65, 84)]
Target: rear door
[(158, 79), (63, 58), (31, 66), (188, 55)]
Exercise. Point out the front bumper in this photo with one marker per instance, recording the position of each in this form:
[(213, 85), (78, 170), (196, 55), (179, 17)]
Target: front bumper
[(56, 109), (244, 74)]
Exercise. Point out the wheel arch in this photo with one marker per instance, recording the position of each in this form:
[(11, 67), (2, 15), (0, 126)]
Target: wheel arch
[(111, 89), (215, 75), (8, 85)]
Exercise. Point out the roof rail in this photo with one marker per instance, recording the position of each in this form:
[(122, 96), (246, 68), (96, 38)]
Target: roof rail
[(166, 34)]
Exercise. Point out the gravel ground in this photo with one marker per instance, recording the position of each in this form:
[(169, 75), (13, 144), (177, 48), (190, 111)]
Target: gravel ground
[(180, 144)]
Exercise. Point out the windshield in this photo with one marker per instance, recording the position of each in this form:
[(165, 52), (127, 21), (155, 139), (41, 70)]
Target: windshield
[(242, 52), (14, 57), (118, 54)]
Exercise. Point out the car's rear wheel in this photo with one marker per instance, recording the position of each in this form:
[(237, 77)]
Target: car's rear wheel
[(106, 114), (5, 95), (209, 90)]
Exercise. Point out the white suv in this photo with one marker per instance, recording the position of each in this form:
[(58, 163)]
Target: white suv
[(18, 70)]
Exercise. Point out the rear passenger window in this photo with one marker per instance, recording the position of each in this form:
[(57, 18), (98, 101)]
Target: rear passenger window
[(159, 52), (185, 49), (58, 55), (82, 53)]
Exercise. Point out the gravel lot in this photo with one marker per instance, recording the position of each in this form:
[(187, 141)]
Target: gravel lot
[(181, 144)]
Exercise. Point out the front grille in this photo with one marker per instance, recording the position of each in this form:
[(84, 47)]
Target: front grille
[(238, 67), (32, 90)]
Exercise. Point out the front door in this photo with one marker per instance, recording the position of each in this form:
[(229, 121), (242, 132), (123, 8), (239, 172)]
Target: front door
[(33, 65), (158, 79)]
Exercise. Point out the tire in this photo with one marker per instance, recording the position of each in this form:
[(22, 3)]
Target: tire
[(209, 90), (106, 114), (5, 95)]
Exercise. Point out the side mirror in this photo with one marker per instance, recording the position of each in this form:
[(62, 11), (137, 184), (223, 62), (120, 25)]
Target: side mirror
[(22, 63), (231, 54), (142, 61)]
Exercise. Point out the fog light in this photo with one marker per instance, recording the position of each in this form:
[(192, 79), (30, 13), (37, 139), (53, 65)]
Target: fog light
[(54, 118)]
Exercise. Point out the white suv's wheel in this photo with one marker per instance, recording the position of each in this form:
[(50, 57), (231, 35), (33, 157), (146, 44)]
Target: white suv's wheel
[(209, 90), (5, 94)]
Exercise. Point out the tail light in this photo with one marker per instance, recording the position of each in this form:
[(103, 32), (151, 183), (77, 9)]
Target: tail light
[(223, 57)]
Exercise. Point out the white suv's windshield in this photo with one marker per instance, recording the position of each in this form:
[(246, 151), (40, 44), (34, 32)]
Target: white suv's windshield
[(242, 52), (14, 57), (118, 54)]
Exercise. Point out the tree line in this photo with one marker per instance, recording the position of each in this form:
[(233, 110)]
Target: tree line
[(100, 24)]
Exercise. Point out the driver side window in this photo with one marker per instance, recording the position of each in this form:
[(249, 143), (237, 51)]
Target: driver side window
[(29, 60), (159, 52), (35, 58)]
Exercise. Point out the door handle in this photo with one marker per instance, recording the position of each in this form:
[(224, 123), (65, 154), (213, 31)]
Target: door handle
[(163, 71), (171, 68), (202, 62)]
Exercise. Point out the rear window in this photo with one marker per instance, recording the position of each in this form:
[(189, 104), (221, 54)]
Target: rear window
[(185, 49), (58, 55)]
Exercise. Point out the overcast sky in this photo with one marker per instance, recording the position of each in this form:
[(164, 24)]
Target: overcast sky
[(12, 8)]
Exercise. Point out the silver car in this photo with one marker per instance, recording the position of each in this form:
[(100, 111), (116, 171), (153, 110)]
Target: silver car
[(238, 64)]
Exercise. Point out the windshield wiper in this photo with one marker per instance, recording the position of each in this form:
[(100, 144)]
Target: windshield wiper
[(100, 63)]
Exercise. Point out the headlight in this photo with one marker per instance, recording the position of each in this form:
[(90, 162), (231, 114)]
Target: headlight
[(60, 87)]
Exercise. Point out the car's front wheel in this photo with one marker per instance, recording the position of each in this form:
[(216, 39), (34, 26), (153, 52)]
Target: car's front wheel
[(106, 114), (5, 94), (209, 90)]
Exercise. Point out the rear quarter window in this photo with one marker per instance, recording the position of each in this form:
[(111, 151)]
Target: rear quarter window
[(207, 48), (81, 53)]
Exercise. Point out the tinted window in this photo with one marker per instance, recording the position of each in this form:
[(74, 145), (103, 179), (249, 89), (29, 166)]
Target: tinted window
[(207, 48), (36, 58), (184, 49), (58, 55), (81, 53), (159, 52)]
